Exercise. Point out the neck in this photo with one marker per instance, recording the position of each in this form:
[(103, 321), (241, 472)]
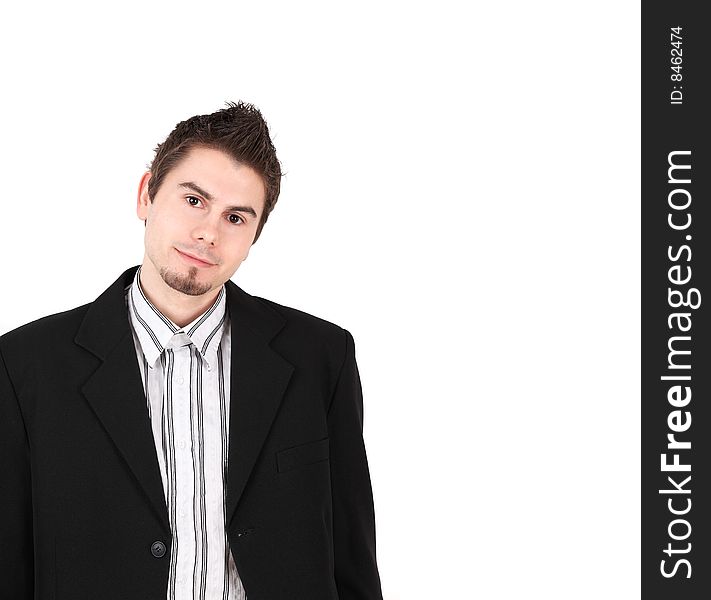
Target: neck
[(178, 307)]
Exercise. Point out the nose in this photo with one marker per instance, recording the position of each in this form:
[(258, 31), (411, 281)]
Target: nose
[(207, 232)]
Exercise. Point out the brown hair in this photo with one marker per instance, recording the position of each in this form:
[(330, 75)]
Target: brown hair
[(238, 130)]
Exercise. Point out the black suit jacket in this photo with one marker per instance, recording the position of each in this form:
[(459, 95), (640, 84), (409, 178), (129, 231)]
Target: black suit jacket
[(81, 497)]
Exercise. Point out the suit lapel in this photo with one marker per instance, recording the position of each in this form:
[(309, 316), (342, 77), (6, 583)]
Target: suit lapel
[(115, 391), (258, 380)]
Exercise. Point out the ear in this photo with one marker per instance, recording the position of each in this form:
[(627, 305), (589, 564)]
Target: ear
[(143, 202)]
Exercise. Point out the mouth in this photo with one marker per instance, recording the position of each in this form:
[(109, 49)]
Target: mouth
[(192, 260)]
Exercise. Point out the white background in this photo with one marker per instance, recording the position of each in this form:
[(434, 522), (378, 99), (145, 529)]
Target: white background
[(462, 194)]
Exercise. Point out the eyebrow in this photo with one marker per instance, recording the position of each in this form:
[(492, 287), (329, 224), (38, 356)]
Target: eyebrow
[(191, 185)]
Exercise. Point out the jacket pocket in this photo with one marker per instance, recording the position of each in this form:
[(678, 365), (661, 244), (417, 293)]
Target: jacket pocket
[(303, 454)]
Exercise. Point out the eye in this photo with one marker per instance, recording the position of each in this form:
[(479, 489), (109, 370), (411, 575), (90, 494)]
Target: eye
[(240, 222)]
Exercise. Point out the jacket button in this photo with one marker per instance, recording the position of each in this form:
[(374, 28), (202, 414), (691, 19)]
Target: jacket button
[(158, 549)]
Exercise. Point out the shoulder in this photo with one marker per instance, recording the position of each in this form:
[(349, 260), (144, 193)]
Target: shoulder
[(43, 344), (301, 318), (307, 331), (51, 328)]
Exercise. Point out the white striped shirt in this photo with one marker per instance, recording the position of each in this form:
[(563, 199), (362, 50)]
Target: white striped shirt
[(186, 378)]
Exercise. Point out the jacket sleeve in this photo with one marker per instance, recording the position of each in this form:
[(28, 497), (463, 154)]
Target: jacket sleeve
[(16, 546), (356, 570)]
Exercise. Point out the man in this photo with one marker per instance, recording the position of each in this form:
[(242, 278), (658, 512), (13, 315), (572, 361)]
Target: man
[(179, 438)]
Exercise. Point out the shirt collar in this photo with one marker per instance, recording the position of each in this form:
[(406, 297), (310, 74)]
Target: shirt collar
[(156, 332)]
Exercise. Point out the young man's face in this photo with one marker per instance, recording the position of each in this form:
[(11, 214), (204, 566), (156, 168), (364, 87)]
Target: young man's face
[(181, 219)]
